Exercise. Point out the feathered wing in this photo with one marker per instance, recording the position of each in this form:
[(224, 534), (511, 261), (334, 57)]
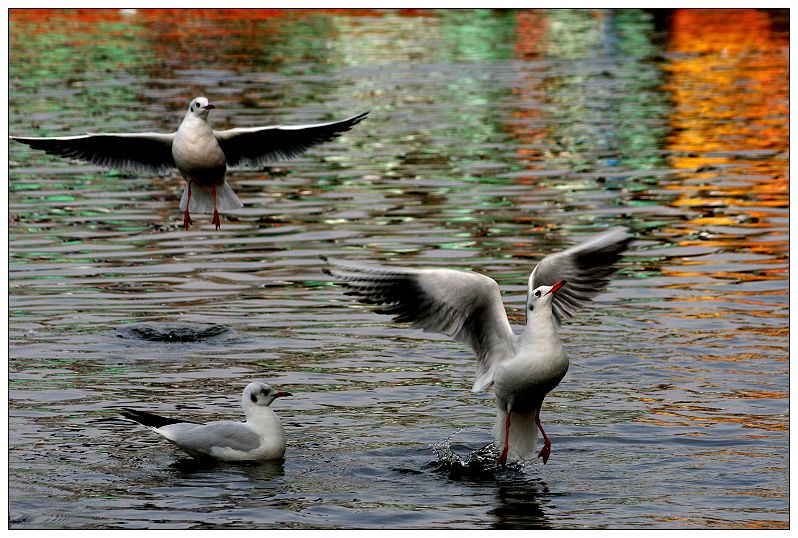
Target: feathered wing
[(255, 146), (587, 267), (203, 438), (136, 152), (465, 306)]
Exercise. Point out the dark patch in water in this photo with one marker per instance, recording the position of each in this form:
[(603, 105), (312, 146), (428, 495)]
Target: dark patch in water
[(172, 332)]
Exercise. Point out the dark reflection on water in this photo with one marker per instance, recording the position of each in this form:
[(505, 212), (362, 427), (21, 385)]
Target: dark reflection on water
[(201, 470), (495, 137), (518, 505)]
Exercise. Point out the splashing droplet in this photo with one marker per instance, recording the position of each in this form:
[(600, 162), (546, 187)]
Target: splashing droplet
[(477, 464)]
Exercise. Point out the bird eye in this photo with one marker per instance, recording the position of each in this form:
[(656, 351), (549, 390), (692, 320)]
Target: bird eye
[(253, 397), (537, 293)]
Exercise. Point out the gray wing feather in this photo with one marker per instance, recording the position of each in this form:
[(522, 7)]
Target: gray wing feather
[(587, 267), (202, 438), (465, 306), (255, 146), (137, 152)]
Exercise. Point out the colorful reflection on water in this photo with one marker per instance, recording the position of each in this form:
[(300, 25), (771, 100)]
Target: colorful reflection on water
[(495, 137)]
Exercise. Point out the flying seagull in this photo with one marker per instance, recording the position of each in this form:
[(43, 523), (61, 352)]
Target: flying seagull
[(522, 368), (200, 153), (261, 437)]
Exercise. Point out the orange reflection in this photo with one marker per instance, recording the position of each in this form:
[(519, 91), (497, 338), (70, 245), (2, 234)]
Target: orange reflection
[(729, 88), (666, 416), (708, 523)]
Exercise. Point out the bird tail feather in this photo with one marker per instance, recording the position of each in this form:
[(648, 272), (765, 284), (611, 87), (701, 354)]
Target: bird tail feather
[(202, 198), (523, 433)]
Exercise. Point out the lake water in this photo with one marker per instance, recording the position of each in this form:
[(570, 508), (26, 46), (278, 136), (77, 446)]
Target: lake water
[(495, 138)]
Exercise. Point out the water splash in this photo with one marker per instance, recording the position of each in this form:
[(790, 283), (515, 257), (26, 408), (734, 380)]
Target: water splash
[(476, 464)]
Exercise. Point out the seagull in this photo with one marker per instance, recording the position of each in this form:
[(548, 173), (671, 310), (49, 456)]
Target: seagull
[(200, 153), (261, 437), (521, 369)]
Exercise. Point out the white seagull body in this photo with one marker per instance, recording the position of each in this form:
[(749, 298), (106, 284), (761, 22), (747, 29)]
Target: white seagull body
[(261, 437), (520, 368), (200, 153)]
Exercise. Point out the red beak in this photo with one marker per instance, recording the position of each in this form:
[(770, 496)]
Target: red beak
[(209, 106), (282, 394), (557, 285)]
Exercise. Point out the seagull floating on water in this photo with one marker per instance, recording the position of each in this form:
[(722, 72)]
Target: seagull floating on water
[(521, 369), (261, 437), (200, 153)]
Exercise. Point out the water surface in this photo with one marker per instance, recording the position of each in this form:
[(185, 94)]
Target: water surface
[(495, 138)]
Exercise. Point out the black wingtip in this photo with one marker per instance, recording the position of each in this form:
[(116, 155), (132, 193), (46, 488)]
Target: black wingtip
[(354, 120), (148, 419)]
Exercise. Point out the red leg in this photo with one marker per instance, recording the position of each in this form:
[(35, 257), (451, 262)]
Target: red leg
[(216, 220), (503, 458), (186, 217), (546, 450)]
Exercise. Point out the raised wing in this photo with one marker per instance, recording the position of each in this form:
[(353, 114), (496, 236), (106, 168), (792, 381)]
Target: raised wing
[(137, 152), (587, 267), (254, 146), (465, 306)]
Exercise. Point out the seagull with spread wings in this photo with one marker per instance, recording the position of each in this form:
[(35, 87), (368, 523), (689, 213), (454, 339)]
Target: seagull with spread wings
[(200, 153), (521, 369)]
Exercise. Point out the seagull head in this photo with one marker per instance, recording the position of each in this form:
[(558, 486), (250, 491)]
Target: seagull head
[(261, 394), (539, 299), (200, 107)]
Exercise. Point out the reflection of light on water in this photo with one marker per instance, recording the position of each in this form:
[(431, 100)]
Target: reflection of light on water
[(729, 85), (469, 161)]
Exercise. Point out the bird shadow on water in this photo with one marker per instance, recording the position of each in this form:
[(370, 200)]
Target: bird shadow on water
[(520, 496)]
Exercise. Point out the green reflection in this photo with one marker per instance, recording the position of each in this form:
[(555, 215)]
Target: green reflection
[(614, 113)]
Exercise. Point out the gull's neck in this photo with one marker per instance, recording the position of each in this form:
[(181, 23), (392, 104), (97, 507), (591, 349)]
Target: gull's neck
[(191, 119), (260, 413), (540, 324)]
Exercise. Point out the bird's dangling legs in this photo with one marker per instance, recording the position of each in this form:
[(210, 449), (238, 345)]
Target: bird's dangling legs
[(503, 458), (186, 217), (216, 220), (546, 450)]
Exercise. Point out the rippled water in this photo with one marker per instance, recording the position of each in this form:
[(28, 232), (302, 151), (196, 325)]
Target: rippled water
[(494, 138)]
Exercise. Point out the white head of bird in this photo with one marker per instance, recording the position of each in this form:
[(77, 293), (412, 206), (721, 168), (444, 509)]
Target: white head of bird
[(260, 395), (538, 303), (200, 107)]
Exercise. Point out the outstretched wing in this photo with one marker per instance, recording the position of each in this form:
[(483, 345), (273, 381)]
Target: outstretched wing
[(465, 306), (254, 146), (137, 152), (587, 267)]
